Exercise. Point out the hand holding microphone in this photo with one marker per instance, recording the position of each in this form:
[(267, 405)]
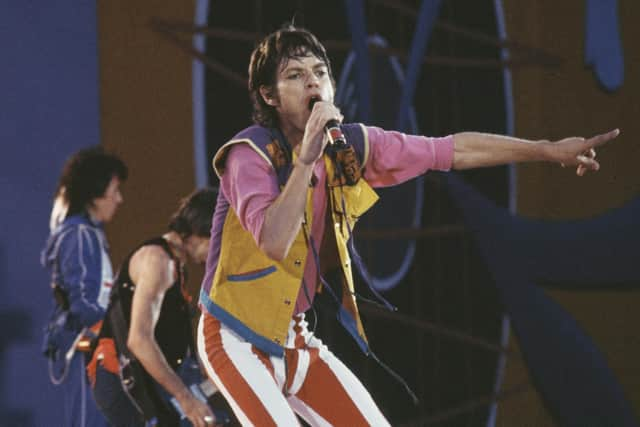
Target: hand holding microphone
[(332, 127), (338, 150), (316, 138)]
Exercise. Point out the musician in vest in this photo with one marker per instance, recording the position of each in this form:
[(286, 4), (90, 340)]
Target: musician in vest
[(290, 194), (88, 196), (149, 314)]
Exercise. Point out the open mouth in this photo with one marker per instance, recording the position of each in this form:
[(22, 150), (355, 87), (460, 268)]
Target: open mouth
[(313, 100)]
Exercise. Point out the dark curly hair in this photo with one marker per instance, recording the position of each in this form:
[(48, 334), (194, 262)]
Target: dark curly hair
[(86, 176), (195, 213), (274, 50)]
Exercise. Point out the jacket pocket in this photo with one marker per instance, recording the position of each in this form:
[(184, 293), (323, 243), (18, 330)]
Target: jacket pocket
[(357, 198), (251, 275)]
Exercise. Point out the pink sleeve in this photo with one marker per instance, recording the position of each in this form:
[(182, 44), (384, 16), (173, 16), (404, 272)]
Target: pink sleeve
[(250, 185), (395, 157)]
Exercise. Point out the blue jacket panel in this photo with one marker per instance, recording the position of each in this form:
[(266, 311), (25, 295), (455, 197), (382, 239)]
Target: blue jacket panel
[(76, 254)]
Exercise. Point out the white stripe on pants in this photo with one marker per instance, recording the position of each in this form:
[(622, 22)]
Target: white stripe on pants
[(315, 384)]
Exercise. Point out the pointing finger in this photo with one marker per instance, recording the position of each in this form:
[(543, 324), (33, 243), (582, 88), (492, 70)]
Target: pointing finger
[(602, 139)]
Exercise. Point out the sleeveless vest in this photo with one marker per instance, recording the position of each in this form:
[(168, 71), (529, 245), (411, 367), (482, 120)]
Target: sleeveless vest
[(173, 329), (255, 295)]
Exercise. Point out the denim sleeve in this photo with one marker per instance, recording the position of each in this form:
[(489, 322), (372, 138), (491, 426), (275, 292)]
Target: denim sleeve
[(80, 266)]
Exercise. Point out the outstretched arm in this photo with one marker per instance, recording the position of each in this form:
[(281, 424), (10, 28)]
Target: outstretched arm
[(153, 272), (472, 150)]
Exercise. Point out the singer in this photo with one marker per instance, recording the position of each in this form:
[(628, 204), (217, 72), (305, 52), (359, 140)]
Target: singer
[(283, 218)]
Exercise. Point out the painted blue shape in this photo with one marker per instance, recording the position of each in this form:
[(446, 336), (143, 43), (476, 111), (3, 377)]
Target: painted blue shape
[(603, 46), (198, 95), (399, 206), (424, 26), (565, 365), (505, 331), (357, 27)]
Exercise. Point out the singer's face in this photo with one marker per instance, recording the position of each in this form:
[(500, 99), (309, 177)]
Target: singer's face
[(299, 80)]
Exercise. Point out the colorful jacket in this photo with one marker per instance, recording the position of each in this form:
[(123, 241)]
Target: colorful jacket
[(253, 294)]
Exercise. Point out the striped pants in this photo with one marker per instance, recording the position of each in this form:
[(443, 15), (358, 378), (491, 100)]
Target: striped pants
[(266, 390)]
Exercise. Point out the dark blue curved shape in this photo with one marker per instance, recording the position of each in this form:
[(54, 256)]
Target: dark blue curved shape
[(580, 254), (424, 25), (402, 205), (357, 27), (512, 180), (566, 366), (602, 43)]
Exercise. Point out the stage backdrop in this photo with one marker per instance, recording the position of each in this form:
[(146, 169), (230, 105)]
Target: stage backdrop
[(58, 97), (49, 108), (75, 74)]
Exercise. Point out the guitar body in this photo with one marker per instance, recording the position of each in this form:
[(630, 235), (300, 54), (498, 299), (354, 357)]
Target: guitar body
[(145, 395), (155, 404)]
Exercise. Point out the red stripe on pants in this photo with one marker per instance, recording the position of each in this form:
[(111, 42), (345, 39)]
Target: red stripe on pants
[(235, 384), (323, 392)]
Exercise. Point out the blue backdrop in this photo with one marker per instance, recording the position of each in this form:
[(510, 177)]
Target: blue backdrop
[(50, 108)]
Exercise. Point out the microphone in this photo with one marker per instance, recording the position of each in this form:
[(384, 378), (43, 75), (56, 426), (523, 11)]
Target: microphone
[(332, 127)]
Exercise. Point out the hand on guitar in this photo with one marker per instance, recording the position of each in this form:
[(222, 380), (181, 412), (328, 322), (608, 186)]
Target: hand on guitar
[(196, 411)]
